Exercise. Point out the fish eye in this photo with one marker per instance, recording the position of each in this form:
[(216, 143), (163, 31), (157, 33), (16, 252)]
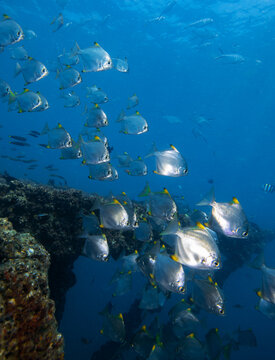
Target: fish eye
[(216, 263), (245, 233), (185, 171), (106, 157), (221, 311), (109, 172), (18, 33), (181, 289), (109, 62)]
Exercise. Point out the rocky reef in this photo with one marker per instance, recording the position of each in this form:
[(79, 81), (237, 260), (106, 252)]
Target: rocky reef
[(28, 325)]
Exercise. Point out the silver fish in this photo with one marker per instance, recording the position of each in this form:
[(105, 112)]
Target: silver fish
[(96, 247), (32, 70), (169, 162), (227, 218), (94, 58), (10, 32), (133, 124), (195, 247)]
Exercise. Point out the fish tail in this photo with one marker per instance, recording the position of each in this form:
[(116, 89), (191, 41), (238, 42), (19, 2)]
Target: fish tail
[(17, 69), (120, 116), (258, 262), (209, 199), (146, 191)]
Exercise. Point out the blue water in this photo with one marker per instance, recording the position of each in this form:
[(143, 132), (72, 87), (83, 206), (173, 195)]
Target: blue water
[(174, 72)]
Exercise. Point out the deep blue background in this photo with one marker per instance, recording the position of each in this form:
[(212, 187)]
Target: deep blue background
[(173, 72)]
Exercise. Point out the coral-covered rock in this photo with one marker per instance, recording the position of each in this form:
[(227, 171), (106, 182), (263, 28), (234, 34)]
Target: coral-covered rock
[(28, 325)]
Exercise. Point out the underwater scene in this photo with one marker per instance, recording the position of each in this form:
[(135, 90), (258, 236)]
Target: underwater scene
[(137, 179)]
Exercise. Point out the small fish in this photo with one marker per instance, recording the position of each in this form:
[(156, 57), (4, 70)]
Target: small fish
[(213, 343), (10, 32), (5, 89), (19, 143), (246, 338), (58, 138), (34, 132), (143, 342), (68, 77), (93, 58), (183, 320), (102, 171), (96, 247), (113, 325), (94, 152), (134, 124), (266, 308), (91, 133), (159, 204), (27, 101), (137, 167), (267, 291), (95, 117), (132, 101), (20, 138), (58, 22), (168, 274), (112, 215), (200, 23), (123, 282), (169, 162), (230, 59), (71, 99), (32, 70), (68, 59), (121, 65), (152, 298), (19, 53), (144, 231), (73, 152), (227, 218), (124, 159), (44, 103), (268, 188), (96, 95), (208, 296), (191, 348), (195, 247)]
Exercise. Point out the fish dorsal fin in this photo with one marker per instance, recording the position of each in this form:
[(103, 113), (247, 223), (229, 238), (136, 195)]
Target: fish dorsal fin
[(143, 328), (190, 336), (173, 147), (146, 191), (172, 228), (97, 138), (200, 226), (208, 199), (6, 17), (235, 200), (115, 201), (96, 44), (59, 126), (139, 158), (137, 113), (26, 90), (96, 106)]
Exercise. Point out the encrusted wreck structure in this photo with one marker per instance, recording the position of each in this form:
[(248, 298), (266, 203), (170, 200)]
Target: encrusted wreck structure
[(39, 243)]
